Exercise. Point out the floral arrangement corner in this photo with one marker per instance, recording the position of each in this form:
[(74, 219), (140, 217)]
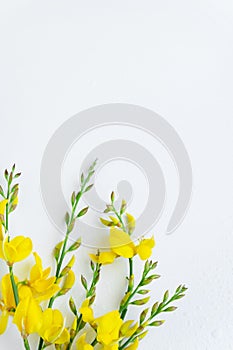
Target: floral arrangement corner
[(23, 300)]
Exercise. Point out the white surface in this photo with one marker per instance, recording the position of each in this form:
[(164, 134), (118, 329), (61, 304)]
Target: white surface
[(175, 57)]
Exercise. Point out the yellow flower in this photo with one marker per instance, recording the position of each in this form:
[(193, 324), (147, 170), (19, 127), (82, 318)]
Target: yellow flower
[(103, 258), (144, 249), (131, 222), (40, 285), (111, 347), (19, 248), (82, 345), (108, 327), (87, 312), (3, 204), (122, 245), (53, 330), (69, 281), (28, 316), (133, 346), (7, 302), (2, 212)]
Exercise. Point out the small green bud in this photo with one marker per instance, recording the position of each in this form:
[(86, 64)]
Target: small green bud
[(82, 212), (166, 296), (142, 335), (154, 308), (73, 196), (73, 306), (170, 308), (6, 174), (143, 291), (140, 302), (89, 188), (75, 245), (123, 206), (84, 282), (112, 196), (156, 323), (71, 226), (143, 315)]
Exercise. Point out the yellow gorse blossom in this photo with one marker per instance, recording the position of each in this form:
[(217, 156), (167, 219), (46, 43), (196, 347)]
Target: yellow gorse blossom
[(68, 281), (3, 204), (82, 344), (86, 312), (122, 245), (53, 329), (144, 248), (29, 301), (40, 286), (28, 316), (7, 302), (15, 250), (110, 347), (108, 327), (103, 258)]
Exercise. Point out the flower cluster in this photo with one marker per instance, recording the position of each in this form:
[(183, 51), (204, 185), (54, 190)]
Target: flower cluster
[(29, 302)]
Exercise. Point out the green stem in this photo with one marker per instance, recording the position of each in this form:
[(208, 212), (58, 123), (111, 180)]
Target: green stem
[(26, 344), (159, 310), (16, 297), (124, 311), (63, 252), (124, 307), (7, 207), (93, 283), (119, 217), (14, 286), (88, 294)]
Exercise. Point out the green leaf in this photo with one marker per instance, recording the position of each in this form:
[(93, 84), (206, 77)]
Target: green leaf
[(82, 212), (84, 282)]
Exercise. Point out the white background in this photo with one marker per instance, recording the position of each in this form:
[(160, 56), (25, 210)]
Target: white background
[(175, 57)]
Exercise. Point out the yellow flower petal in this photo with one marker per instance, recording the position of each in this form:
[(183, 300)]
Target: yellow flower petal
[(7, 292), (1, 232), (103, 258), (52, 329), (63, 338), (87, 312), (131, 222), (23, 247), (3, 321), (144, 249), (69, 280), (3, 204), (108, 327), (121, 244), (19, 248), (82, 345), (28, 316)]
